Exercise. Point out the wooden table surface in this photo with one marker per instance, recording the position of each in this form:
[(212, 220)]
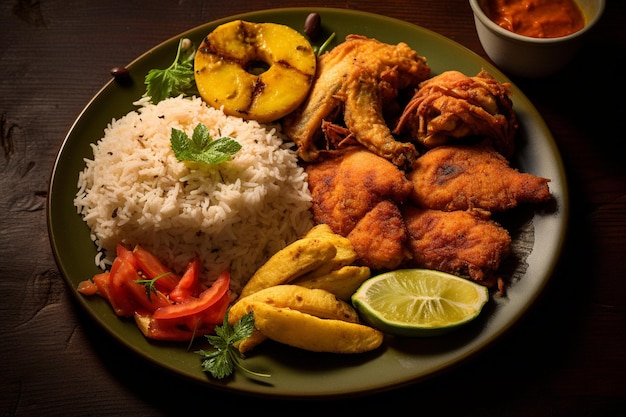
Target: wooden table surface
[(567, 357)]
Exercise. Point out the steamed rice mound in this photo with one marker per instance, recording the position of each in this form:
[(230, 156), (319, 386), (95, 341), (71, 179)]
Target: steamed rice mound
[(233, 215)]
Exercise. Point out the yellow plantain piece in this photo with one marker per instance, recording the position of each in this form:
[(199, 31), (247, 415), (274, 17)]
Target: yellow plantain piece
[(342, 282), (345, 251), (255, 339), (291, 262), (315, 302), (308, 332)]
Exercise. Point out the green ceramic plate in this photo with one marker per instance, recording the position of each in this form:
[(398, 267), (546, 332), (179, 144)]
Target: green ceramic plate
[(298, 373)]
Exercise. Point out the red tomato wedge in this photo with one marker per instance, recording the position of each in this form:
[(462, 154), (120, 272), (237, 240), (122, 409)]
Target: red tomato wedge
[(102, 281), (87, 287), (215, 315), (127, 275), (207, 299), (120, 299), (126, 254), (169, 330), (189, 285), (152, 267)]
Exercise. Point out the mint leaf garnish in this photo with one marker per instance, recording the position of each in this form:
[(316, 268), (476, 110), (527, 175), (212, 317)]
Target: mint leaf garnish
[(201, 147)]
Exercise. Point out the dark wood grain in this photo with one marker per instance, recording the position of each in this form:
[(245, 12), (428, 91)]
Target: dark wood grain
[(566, 358)]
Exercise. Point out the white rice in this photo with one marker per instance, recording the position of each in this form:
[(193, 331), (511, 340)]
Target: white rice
[(233, 215)]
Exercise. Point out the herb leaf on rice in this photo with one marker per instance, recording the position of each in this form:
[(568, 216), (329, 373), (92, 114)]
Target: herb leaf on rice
[(201, 147)]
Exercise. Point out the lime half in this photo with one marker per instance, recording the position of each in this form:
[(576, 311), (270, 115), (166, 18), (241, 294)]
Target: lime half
[(418, 302)]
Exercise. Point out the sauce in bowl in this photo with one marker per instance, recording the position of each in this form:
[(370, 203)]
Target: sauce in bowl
[(537, 18)]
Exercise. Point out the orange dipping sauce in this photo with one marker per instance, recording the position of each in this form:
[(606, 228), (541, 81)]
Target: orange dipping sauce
[(537, 18)]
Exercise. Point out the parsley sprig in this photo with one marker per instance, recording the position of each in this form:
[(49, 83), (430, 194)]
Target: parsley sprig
[(201, 147), (176, 79), (223, 361)]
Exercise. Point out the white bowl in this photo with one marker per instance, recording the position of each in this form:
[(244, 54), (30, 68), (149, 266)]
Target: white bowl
[(526, 56)]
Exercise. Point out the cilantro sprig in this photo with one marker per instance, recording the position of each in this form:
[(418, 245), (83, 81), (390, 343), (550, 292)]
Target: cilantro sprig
[(149, 284), (223, 361), (201, 147), (176, 79)]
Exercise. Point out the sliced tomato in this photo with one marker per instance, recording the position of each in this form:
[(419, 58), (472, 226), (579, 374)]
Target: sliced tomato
[(126, 254), (103, 281), (137, 291), (121, 299), (189, 285), (87, 287), (168, 329), (178, 311), (215, 315), (210, 317), (207, 299), (152, 267)]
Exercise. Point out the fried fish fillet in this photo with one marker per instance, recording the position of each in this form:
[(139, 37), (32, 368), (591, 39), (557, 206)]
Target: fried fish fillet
[(464, 243), (361, 76), (346, 187), (379, 238), (467, 177)]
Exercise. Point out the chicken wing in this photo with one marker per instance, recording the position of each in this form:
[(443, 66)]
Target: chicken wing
[(451, 107), (466, 177), (458, 242), (360, 76)]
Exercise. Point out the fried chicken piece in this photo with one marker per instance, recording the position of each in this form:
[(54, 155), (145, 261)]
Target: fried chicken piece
[(361, 76), (467, 177), (451, 107), (463, 243), (339, 137), (346, 187), (379, 237), (363, 116)]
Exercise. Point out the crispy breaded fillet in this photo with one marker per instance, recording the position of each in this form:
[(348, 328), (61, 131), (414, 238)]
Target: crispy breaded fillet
[(466, 177), (459, 242), (346, 187), (379, 237)]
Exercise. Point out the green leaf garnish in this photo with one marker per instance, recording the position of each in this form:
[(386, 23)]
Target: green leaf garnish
[(177, 79), (149, 284), (222, 362), (201, 147)]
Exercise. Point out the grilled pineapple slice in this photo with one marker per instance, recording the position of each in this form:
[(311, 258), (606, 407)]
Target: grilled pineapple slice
[(258, 71)]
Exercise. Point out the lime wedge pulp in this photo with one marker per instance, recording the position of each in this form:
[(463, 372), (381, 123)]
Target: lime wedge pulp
[(418, 302)]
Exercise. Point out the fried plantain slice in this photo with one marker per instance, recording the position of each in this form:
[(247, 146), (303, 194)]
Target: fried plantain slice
[(315, 302), (291, 262), (345, 250), (342, 282), (308, 332)]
